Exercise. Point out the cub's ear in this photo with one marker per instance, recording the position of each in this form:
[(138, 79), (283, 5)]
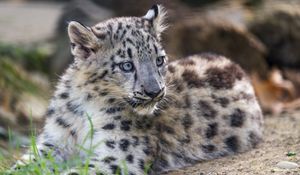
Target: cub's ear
[(157, 15), (83, 41)]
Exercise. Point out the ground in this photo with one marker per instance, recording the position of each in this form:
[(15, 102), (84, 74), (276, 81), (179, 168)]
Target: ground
[(282, 134)]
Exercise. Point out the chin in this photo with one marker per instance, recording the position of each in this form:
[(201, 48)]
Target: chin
[(145, 110)]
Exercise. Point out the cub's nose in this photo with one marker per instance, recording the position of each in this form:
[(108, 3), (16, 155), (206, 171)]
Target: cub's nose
[(153, 93)]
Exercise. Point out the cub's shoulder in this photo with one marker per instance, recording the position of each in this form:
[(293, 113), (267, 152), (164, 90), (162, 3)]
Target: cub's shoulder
[(207, 70), (205, 59), (205, 64)]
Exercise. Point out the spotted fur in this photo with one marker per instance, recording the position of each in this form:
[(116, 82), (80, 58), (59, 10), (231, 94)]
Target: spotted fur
[(144, 111)]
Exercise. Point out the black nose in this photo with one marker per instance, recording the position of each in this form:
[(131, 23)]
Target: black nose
[(153, 93)]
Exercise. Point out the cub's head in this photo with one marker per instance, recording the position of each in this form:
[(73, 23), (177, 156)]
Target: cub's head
[(126, 56)]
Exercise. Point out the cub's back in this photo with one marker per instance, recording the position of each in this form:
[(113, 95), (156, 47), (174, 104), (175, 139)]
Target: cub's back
[(212, 109)]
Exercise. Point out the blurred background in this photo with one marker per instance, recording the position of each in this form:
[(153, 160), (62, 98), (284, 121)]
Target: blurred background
[(263, 36)]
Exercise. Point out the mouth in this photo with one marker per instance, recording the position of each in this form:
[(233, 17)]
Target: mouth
[(140, 102)]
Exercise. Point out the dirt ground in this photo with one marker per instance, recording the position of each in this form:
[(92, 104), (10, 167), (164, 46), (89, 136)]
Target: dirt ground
[(282, 134)]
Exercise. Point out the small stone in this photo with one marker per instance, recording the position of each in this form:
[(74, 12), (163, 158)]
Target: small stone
[(287, 165)]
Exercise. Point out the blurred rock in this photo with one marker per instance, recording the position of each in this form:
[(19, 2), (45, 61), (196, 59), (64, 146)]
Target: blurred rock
[(277, 25), (19, 141), (135, 7), (274, 92), (30, 106), (7, 118), (293, 76), (252, 3), (33, 107), (204, 34), (28, 22), (23, 97), (3, 134), (86, 12), (14, 139), (197, 3), (224, 36)]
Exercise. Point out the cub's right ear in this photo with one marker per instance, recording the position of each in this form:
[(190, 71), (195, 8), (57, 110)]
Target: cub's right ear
[(157, 15), (83, 41)]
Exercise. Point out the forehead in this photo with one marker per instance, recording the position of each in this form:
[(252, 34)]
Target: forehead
[(132, 31)]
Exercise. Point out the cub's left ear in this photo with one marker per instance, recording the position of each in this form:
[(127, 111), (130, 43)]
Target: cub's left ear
[(157, 15), (83, 40)]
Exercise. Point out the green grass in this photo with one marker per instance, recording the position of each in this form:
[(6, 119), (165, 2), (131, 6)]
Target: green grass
[(31, 59), (15, 62), (46, 165), (291, 154), (13, 78)]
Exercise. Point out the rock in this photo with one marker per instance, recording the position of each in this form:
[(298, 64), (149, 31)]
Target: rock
[(274, 92), (33, 107), (197, 3), (30, 31), (219, 36), (134, 7), (9, 138), (3, 134), (277, 25), (287, 165), (88, 13), (7, 117), (294, 76), (19, 141)]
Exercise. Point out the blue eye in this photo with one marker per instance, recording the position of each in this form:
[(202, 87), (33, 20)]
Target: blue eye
[(160, 61), (126, 66)]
